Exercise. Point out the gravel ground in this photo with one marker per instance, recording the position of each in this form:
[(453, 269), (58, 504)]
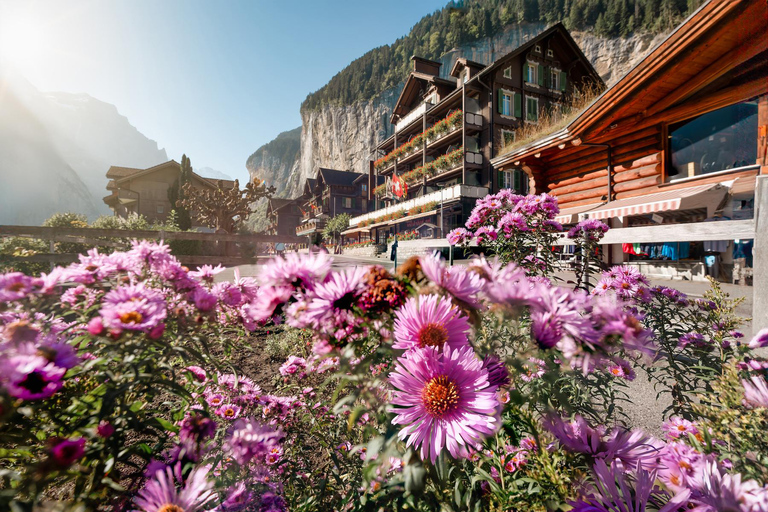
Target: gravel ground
[(645, 411)]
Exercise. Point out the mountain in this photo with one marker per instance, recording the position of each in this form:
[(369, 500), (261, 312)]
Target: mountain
[(276, 161), (66, 142), (342, 135), (207, 172)]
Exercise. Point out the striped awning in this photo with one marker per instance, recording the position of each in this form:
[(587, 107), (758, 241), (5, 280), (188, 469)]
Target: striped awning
[(571, 215), (700, 196)]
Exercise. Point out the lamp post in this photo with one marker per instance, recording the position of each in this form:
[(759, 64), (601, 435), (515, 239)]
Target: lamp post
[(441, 186)]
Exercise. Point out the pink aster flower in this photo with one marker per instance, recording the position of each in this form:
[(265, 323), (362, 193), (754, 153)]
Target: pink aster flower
[(443, 400), (164, 492), (429, 321), (297, 271), (30, 376), (204, 300), (292, 365), (755, 391), (268, 302), (461, 283), (677, 427), (331, 306), (760, 340), (228, 411), (247, 439), (66, 452), (133, 307), (206, 273), (459, 236), (14, 286)]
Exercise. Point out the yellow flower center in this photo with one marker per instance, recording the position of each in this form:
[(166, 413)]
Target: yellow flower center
[(433, 335), (169, 507), (134, 317), (440, 396)]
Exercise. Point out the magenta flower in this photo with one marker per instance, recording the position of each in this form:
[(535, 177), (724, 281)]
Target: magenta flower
[(292, 365), (14, 286), (443, 400), (680, 467), (229, 411), (206, 273), (677, 427), (331, 306), (297, 271), (105, 429), (760, 340), (429, 321), (238, 498), (755, 391), (228, 294), (198, 373), (556, 319), (459, 236), (721, 491), (459, 282), (591, 230), (30, 376), (498, 375), (164, 492), (204, 300), (66, 452), (268, 302), (247, 439), (133, 307)]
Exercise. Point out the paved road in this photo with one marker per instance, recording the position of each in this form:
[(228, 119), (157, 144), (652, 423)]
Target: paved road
[(645, 410)]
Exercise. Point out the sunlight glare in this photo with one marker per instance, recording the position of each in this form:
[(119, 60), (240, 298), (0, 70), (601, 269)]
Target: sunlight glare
[(22, 42)]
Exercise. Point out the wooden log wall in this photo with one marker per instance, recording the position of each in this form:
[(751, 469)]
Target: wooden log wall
[(579, 175)]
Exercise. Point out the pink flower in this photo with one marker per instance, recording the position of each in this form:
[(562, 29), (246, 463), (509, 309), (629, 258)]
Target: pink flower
[(133, 308), (292, 365), (760, 339), (30, 376), (298, 271), (459, 282), (163, 494), (204, 300), (206, 272), (228, 411), (429, 321), (105, 429), (443, 400), (96, 326), (755, 391), (67, 452), (677, 427), (197, 372)]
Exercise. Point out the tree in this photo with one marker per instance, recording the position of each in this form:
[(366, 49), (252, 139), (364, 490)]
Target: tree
[(335, 226), (222, 208), (176, 194)]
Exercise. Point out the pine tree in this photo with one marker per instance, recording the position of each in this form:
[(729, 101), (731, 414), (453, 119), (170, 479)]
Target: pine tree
[(177, 194)]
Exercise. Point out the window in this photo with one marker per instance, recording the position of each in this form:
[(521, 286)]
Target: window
[(531, 109), (717, 141), (364, 188), (160, 208), (365, 205), (507, 137), (537, 49), (506, 103), (348, 202), (508, 72), (515, 179), (531, 73), (550, 53), (554, 79), (465, 75)]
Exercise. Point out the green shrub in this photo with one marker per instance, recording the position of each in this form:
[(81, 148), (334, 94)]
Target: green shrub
[(290, 341)]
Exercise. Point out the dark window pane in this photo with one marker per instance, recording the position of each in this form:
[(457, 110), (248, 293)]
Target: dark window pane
[(717, 141)]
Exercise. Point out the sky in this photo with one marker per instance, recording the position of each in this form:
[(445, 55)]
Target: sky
[(214, 79)]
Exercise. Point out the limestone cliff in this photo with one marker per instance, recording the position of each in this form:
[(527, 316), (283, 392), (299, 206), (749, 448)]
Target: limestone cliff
[(343, 137)]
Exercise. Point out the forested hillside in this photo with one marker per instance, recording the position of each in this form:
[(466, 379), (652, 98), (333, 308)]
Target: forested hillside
[(466, 21)]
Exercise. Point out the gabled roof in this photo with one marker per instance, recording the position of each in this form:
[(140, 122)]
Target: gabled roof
[(462, 63), (336, 177), (416, 82), (120, 174), (703, 48), (277, 203)]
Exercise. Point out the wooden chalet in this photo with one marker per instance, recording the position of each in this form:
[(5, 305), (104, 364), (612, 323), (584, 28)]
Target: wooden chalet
[(145, 191), (668, 156), (331, 193), (448, 128), (284, 216)]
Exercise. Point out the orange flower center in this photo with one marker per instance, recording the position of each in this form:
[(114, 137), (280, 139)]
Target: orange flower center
[(440, 396), (616, 371), (169, 507), (15, 287), (675, 479), (433, 335), (229, 413), (681, 428), (134, 317), (684, 465)]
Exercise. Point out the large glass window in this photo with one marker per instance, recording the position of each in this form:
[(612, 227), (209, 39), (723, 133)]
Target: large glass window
[(720, 140), (506, 103)]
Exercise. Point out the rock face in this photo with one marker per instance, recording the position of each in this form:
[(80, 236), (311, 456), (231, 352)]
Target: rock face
[(344, 137), (55, 150), (275, 161)]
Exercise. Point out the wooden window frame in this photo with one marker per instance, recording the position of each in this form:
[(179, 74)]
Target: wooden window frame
[(511, 94), (526, 109), (505, 131), (507, 73)]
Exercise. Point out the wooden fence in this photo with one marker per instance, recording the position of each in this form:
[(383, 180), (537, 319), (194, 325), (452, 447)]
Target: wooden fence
[(230, 249)]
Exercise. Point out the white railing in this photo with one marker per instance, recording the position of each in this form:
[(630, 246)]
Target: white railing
[(448, 193), (412, 115)]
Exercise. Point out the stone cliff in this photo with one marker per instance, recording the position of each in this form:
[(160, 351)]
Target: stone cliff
[(343, 137)]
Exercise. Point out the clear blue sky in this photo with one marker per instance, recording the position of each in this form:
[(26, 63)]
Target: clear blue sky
[(213, 79)]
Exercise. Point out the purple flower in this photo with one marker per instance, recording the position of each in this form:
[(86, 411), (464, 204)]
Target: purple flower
[(164, 492), (331, 306), (760, 340), (459, 282), (229, 294), (511, 223), (677, 427), (238, 498), (591, 230), (429, 321), (630, 447), (725, 492), (268, 302), (292, 365), (206, 273), (66, 452), (229, 411), (498, 375), (247, 439), (198, 373), (298, 271), (459, 236), (614, 492), (755, 391), (443, 400), (30, 376), (133, 307), (196, 427), (556, 319), (14, 286), (486, 233), (204, 300)]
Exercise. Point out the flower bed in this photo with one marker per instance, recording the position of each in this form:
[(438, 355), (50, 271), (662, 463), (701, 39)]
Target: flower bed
[(442, 127), (475, 387), (442, 163)]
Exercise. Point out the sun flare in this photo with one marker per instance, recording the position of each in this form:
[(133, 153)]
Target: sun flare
[(22, 42)]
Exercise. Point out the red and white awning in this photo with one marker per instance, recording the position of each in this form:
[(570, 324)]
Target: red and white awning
[(571, 215), (700, 196)]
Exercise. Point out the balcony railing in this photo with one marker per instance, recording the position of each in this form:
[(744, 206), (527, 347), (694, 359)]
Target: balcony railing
[(448, 194), (309, 227)]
